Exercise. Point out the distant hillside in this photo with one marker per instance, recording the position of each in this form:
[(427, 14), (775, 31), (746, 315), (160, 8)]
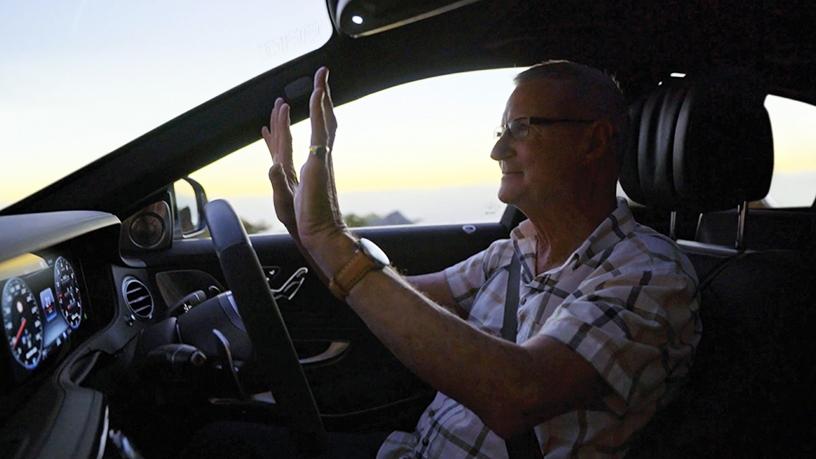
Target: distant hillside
[(372, 219)]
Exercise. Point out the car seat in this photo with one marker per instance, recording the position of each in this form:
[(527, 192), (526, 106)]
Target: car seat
[(701, 145)]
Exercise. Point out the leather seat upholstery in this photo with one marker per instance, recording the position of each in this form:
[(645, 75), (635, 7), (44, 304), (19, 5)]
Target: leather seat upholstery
[(699, 145), (702, 145), (766, 229)]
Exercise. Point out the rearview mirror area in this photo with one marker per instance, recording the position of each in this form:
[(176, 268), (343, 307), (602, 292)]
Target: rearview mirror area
[(360, 18)]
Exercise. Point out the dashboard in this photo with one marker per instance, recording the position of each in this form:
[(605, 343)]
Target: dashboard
[(41, 307), (55, 326), (77, 375)]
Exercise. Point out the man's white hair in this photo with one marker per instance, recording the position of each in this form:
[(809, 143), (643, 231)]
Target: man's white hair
[(597, 89)]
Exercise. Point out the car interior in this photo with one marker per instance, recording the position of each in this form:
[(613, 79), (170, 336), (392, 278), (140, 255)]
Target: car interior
[(128, 332)]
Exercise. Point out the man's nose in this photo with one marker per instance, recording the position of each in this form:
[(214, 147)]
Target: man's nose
[(501, 149)]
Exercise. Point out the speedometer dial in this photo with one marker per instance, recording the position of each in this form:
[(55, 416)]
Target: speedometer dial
[(22, 322), (65, 282)]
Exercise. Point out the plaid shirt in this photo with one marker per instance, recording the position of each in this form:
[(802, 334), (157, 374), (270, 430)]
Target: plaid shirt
[(625, 300)]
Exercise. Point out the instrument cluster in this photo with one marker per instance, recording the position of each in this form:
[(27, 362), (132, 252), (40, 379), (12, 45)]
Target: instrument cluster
[(41, 306)]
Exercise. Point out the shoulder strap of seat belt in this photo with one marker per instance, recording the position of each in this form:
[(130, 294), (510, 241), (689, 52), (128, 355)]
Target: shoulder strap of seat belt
[(511, 300), (524, 445)]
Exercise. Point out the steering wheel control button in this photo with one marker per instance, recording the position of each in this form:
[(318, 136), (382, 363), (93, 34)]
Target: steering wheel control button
[(368, 257), (187, 302)]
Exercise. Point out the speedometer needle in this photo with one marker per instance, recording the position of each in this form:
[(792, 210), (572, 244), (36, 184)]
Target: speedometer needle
[(19, 332)]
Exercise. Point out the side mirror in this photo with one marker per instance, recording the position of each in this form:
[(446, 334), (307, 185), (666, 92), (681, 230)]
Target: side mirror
[(360, 18), (179, 214), (189, 199)]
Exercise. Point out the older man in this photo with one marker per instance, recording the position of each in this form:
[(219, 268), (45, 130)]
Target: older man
[(607, 311)]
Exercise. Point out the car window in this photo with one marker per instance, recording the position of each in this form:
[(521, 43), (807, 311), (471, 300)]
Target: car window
[(79, 79), (418, 153), (793, 124)]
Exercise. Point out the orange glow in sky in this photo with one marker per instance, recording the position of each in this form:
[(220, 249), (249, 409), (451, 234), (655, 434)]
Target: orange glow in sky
[(79, 79)]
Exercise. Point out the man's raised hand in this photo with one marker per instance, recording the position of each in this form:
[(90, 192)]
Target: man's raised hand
[(316, 207), (282, 174), (278, 138)]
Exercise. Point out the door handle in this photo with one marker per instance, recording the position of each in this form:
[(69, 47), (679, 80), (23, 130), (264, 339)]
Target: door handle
[(292, 285), (335, 349)]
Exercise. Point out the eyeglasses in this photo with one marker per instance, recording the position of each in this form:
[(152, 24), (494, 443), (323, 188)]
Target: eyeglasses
[(520, 127)]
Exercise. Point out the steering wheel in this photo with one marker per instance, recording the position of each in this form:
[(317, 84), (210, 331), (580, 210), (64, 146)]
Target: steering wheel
[(273, 349)]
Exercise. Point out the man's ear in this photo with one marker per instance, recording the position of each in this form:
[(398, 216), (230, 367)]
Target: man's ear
[(600, 139)]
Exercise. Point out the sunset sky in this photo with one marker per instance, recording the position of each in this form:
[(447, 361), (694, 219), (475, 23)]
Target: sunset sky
[(80, 78)]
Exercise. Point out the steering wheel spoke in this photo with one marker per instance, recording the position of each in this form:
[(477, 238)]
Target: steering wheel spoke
[(274, 352)]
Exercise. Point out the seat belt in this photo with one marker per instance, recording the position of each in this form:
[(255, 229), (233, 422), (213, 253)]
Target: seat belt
[(523, 445)]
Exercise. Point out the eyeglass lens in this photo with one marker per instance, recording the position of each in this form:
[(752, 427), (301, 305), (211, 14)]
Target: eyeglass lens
[(518, 129)]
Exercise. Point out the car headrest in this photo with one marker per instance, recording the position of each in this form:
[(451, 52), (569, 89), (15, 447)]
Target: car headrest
[(699, 144)]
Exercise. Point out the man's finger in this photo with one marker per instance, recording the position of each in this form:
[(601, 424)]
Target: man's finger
[(328, 116), (277, 178), (273, 116), (319, 134), (269, 133), (314, 188), (285, 145), (331, 128), (276, 120), (271, 143), (285, 122), (283, 134), (328, 103), (281, 187), (274, 112)]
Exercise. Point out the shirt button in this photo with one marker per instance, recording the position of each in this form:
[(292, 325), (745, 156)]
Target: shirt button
[(523, 300), (425, 441), (431, 413)]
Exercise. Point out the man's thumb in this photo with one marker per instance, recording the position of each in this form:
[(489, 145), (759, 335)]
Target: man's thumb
[(277, 178)]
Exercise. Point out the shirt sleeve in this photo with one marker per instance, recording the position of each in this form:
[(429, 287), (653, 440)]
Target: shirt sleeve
[(467, 277), (637, 326)]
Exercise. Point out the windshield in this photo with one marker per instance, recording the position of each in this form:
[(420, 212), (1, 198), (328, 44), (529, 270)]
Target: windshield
[(79, 79)]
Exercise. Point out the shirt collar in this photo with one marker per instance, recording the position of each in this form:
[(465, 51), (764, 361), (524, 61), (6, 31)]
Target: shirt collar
[(613, 229)]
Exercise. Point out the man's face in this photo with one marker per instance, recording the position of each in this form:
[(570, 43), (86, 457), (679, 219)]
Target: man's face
[(544, 166)]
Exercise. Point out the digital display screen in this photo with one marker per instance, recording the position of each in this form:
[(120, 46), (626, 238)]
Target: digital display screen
[(56, 332), (47, 303)]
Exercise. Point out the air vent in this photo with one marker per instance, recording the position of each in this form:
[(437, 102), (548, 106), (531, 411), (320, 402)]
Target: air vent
[(137, 297)]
